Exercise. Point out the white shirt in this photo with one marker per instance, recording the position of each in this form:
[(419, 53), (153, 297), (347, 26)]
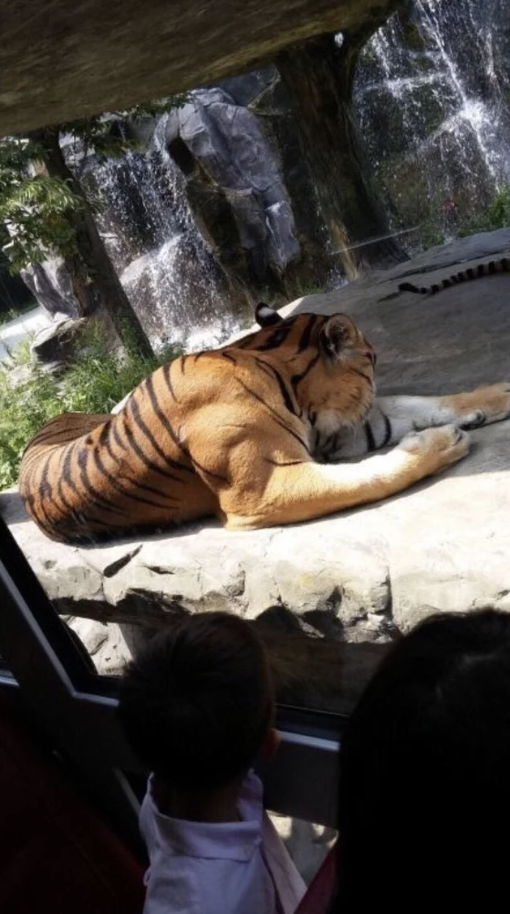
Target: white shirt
[(218, 867)]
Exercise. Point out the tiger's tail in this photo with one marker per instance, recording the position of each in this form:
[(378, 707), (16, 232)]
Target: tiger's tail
[(483, 269)]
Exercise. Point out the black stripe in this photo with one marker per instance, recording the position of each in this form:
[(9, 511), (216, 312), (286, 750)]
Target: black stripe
[(67, 471), (167, 372), (230, 357), (104, 434), (481, 269), (142, 456), (306, 336), (434, 288), (132, 445), (470, 272), (126, 493), (461, 276), (297, 378), (291, 432), (103, 503), (208, 472), (274, 415), (491, 267), (362, 374), (287, 399), (44, 483), (125, 447), (275, 339), (141, 425), (446, 283), (62, 497), (285, 463), (81, 518), (264, 367), (47, 524), (370, 437), (387, 431), (165, 422), (135, 482), (182, 364)]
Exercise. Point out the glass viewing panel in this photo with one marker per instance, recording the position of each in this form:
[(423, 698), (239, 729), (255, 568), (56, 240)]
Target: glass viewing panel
[(222, 201)]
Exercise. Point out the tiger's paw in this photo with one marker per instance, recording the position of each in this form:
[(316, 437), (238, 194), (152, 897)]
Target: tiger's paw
[(434, 449), (483, 406)]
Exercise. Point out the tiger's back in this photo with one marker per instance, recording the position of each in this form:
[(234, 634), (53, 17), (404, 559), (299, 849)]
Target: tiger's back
[(200, 434), (85, 475)]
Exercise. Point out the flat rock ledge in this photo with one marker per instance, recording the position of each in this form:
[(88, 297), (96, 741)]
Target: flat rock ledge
[(352, 580)]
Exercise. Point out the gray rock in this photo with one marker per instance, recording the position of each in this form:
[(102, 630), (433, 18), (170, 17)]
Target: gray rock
[(50, 282), (362, 575), (224, 140), (57, 343)]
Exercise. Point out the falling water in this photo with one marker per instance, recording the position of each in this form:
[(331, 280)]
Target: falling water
[(165, 267), (431, 102)]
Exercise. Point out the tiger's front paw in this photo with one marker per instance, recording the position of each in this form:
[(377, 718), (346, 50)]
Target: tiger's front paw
[(485, 405), (434, 449)]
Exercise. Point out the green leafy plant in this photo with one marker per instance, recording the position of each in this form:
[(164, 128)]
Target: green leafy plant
[(495, 216), (44, 207), (96, 380)]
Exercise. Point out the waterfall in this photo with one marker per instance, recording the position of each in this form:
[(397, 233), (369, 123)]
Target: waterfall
[(156, 248), (430, 97)]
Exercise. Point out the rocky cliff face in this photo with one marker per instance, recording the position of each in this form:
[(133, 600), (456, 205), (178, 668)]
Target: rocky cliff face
[(431, 98), (220, 210), (215, 213)]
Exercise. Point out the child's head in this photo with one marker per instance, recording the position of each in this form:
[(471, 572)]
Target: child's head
[(425, 770), (197, 705)]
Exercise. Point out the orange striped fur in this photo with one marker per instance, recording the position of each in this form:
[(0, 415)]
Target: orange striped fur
[(247, 432), (186, 430)]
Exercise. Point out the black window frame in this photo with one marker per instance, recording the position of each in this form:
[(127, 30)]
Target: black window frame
[(76, 708)]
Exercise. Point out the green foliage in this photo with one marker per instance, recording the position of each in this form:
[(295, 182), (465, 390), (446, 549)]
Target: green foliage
[(39, 209), (94, 383), (495, 216)]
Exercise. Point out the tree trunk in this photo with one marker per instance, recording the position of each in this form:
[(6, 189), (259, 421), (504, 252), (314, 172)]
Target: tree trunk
[(318, 76), (93, 275)]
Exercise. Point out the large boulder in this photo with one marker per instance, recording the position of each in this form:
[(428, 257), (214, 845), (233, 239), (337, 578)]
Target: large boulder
[(64, 62), (50, 283), (57, 343), (362, 575), (234, 187)]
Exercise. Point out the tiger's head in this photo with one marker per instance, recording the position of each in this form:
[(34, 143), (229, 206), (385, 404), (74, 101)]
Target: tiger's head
[(328, 360)]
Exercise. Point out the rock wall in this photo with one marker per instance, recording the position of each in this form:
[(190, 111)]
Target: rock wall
[(213, 215), (62, 63), (431, 98)]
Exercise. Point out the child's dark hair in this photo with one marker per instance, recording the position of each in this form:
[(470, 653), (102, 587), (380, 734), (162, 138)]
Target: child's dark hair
[(197, 703), (424, 800)]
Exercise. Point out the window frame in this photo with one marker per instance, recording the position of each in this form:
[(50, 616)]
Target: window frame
[(76, 709)]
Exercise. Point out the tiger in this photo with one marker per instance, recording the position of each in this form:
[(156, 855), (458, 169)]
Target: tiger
[(252, 432), (501, 265)]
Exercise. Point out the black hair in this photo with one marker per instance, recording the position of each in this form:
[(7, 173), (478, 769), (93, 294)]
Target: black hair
[(424, 792), (197, 702)]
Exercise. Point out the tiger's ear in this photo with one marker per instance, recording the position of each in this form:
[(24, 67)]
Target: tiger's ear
[(334, 335), (265, 316)]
